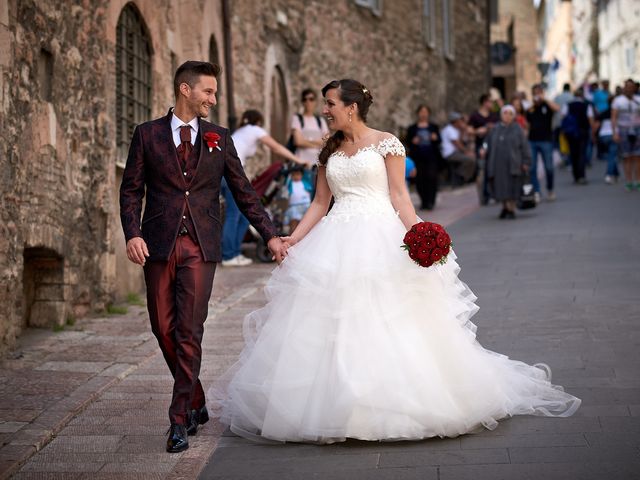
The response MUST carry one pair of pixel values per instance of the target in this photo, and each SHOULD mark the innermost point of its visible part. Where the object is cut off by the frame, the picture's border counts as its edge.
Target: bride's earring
(350, 113)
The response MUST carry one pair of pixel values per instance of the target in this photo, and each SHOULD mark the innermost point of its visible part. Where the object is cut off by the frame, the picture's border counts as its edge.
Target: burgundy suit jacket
(153, 166)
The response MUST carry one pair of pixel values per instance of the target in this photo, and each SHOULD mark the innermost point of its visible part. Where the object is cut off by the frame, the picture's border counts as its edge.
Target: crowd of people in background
(574, 127)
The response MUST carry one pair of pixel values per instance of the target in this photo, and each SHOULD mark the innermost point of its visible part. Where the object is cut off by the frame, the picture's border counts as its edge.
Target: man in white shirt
(625, 122)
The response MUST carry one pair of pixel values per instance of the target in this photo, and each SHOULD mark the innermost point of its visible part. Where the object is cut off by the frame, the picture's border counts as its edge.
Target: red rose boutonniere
(212, 140)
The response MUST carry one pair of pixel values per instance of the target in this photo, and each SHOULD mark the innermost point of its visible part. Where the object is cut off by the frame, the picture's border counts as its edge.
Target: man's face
(629, 88)
(538, 94)
(202, 96)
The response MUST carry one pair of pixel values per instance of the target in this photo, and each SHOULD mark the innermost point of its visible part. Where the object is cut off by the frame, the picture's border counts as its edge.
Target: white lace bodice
(359, 182)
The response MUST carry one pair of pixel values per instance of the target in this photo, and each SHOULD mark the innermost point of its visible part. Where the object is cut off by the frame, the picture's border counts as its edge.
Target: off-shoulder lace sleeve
(391, 146)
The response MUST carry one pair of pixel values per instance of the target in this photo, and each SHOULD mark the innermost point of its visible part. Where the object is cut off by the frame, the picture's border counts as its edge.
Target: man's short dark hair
(566, 87)
(483, 98)
(189, 72)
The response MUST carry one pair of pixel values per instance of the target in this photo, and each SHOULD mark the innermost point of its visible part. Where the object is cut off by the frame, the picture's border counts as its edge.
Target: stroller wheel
(262, 251)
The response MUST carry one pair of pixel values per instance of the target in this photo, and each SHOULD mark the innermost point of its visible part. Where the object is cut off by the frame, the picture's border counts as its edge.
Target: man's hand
(616, 137)
(278, 248)
(137, 250)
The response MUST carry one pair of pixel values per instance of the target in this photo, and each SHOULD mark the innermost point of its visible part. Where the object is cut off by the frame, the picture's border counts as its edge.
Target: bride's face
(335, 111)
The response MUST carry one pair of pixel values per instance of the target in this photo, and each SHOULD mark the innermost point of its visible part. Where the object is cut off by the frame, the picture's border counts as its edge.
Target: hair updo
(350, 92)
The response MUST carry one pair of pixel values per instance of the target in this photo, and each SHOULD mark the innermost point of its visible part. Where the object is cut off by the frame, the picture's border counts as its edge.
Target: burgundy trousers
(178, 292)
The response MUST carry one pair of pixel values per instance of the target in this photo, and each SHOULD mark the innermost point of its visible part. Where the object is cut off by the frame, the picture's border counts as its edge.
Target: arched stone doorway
(45, 292)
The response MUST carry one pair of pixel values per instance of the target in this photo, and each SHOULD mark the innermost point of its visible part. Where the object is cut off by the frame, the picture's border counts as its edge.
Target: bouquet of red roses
(427, 243)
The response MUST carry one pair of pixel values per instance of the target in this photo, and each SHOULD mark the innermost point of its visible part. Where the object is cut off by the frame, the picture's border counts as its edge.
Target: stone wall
(61, 246)
(55, 150)
(314, 42)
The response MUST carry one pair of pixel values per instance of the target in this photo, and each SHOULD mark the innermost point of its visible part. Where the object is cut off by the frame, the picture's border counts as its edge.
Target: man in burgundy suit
(179, 161)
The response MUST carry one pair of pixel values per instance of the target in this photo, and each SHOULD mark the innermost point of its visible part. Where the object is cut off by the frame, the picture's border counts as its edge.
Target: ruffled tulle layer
(357, 341)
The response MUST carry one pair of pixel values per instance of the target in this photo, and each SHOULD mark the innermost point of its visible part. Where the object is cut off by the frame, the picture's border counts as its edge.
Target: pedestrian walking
(480, 122)
(177, 162)
(540, 119)
(560, 140)
(608, 148)
(625, 120)
(423, 139)
(576, 126)
(247, 138)
(508, 158)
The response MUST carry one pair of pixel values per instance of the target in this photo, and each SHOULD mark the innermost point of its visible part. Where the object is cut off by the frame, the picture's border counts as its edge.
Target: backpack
(291, 144)
(569, 126)
(575, 124)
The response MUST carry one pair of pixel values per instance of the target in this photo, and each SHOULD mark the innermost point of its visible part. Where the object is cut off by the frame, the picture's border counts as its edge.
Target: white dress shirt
(176, 123)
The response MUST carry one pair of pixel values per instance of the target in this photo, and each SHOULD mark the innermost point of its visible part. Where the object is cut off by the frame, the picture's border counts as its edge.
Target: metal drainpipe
(226, 27)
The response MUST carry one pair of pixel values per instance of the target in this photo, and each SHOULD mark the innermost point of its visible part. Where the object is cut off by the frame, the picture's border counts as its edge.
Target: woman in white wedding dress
(356, 340)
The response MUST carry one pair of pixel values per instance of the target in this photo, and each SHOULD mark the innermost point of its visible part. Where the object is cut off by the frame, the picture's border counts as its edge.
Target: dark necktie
(184, 150)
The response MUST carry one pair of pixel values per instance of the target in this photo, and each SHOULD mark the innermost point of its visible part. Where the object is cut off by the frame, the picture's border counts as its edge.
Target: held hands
(278, 248)
(137, 250)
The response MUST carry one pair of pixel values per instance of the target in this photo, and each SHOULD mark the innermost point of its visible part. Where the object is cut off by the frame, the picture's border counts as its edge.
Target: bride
(356, 340)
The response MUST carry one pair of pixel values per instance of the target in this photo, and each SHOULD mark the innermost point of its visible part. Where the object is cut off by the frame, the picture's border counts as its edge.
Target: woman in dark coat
(423, 139)
(508, 159)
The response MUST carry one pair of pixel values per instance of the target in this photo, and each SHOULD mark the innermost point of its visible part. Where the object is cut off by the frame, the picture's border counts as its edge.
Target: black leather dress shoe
(178, 439)
(197, 417)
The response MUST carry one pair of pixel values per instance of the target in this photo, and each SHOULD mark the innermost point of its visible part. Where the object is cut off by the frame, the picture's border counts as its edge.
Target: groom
(178, 162)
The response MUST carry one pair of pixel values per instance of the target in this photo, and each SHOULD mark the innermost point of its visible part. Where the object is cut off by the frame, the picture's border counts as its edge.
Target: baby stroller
(269, 186)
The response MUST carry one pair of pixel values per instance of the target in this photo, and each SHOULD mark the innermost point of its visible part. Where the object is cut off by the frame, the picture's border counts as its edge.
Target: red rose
(436, 255)
(211, 138)
(421, 227)
(423, 257)
(443, 240)
(410, 238)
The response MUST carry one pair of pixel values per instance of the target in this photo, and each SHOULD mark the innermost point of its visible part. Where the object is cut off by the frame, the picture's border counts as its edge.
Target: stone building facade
(555, 43)
(514, 47)
(75, 77)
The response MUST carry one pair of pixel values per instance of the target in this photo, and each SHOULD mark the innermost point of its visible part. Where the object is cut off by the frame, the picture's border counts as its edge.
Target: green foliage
(134, 299)
(116, 309)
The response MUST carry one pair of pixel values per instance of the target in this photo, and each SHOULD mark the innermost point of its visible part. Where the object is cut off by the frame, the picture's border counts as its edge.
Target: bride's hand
(289, 240)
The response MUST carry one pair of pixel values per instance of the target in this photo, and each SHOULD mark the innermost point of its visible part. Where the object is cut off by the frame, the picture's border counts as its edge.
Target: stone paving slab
(561, 285)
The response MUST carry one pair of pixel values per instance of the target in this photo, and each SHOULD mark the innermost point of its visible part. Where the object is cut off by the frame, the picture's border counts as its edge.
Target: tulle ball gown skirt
(357, 341)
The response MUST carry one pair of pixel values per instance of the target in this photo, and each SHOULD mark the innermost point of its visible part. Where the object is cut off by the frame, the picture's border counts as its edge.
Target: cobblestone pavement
(560, 284)
(90, 401)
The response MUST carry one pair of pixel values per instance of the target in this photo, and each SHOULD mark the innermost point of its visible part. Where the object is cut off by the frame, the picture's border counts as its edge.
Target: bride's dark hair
(350, 92)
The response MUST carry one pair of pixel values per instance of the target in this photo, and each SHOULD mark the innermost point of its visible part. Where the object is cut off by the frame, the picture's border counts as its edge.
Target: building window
(45, 74)
(493, 11)
(374, 5)
(214, 113)
(447, 28)
(429, 22)
(133, 76)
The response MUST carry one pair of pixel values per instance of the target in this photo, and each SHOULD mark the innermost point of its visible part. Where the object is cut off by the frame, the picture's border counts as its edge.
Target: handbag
(527, 198)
